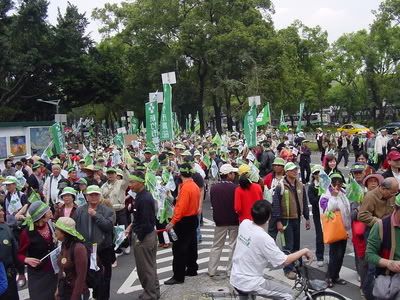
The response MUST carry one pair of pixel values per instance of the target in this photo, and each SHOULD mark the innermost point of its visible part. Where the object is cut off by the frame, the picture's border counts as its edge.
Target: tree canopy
(222, 52)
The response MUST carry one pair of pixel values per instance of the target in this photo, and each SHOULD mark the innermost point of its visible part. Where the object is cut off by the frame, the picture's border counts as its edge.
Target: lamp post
(55, 102)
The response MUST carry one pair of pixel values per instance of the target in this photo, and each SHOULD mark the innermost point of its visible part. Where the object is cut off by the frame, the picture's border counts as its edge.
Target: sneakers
(115, 264)
(127, 250)
(320, 263)
(291, 275)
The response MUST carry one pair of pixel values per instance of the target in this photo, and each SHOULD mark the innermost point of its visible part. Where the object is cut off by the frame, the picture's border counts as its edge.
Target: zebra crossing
(164, 261)
(125, 282)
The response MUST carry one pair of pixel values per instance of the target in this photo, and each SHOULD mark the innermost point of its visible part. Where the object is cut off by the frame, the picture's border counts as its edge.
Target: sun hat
(35, 212)
(180, 146)
(197, 153)
(67, 225)
(227, 168)
(68, 191)
(278, 161)
(93, 189)
(186, 153)
(10, 180)
(244, 169)
(89, 168)
(290, 166)
(82, 181)
(56, 161)
(377, 176)
(394, 155)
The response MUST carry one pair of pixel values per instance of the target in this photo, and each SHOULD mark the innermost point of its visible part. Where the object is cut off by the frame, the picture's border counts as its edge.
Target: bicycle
(313, 289)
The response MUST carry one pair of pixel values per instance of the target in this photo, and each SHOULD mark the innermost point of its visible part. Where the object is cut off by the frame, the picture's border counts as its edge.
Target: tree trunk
(217, 112)
(228, 111)
(202, 73)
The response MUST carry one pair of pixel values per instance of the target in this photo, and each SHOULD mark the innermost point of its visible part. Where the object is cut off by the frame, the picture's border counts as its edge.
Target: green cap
(136, 178)
(93, 189)
(67, 225)
(290, 166)
(37, 165)
(82, 181)
(316, 168)
(357, 167)
(71, 169)
(111, 170)
(10, 180)
(336, 175)
(68, 191)
(279, 162)
(397, 200)
(147, 150)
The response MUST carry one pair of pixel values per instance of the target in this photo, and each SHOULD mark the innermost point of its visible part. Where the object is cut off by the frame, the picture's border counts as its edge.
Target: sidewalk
(199, 287)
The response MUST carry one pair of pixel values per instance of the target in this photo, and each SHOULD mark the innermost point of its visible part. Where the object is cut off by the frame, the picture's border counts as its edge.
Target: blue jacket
(3, 279)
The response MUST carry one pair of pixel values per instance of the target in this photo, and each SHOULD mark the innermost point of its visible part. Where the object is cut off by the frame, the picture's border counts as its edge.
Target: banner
(299, 123)
(250, 127)
(152, 139)
(197, 124)
(166, 127)
(282, 125)
(134, 125)
(119, 140)
(264, 117)
(58, 138)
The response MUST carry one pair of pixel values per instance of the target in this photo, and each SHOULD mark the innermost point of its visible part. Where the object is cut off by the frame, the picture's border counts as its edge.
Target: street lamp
(55, 102)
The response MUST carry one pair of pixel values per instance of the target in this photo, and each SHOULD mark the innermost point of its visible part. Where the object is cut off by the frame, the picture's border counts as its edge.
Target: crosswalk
(130, 286)
(164, 261)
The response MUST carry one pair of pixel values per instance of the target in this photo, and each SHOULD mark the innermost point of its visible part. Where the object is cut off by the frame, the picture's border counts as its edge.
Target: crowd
(61, 217)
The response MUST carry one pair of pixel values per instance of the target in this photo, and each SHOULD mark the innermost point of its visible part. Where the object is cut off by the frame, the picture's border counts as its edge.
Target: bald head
(389, 187)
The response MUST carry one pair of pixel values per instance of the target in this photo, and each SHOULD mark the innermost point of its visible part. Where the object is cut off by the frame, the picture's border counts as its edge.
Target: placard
(168, 78)
(121, 130)
(254, 100)
(40, 139)
(157, 96)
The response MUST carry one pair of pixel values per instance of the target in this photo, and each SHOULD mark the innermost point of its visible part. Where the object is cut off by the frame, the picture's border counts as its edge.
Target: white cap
(227, 168)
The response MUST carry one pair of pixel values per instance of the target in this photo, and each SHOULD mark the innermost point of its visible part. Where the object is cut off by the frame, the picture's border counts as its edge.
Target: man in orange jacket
(185, 222)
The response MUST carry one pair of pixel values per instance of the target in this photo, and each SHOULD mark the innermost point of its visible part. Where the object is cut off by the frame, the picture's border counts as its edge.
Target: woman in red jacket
(246, 194)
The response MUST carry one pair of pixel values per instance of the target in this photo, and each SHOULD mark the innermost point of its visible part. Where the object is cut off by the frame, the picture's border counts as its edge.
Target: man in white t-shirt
(255, 248)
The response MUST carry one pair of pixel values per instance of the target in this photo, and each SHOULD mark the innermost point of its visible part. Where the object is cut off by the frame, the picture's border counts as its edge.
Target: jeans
(367, 284)
(292, 239)
(336, 255)
(319, 238)
(343, 153)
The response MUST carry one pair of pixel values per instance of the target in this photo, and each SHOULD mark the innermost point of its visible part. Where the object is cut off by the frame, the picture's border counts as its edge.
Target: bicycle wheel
(327, 295)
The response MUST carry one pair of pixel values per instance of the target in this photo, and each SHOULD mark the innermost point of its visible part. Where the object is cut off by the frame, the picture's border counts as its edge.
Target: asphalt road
(125, 284)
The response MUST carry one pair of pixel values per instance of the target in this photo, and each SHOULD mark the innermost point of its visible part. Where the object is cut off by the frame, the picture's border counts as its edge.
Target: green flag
(217, 140)
(134, 125)
(197, 124)
(177, 128)
(152, 139)
(34, 196)
(88, 160)
(207, 161)
(48, 152)
(282, 125)
(354, 191)
(166, 125)
(119, 140)
(299, 123)
(250, 127)
(264, 117)
(153, 165)
(57, 137)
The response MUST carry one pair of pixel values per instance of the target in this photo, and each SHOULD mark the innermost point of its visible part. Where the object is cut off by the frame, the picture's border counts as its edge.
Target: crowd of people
(59, 216)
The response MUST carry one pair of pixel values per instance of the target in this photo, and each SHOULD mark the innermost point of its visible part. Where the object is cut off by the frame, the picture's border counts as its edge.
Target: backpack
(93, 278)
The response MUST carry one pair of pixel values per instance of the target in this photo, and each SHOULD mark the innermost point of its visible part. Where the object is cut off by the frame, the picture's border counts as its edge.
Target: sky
(334, 16)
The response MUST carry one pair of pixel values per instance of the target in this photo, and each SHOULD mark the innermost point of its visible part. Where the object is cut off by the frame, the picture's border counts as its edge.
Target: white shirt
(51, 192)
(254, 249)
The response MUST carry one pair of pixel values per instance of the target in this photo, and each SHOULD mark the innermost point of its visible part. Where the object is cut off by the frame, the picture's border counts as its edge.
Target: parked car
(353, 128)
(391, 127)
